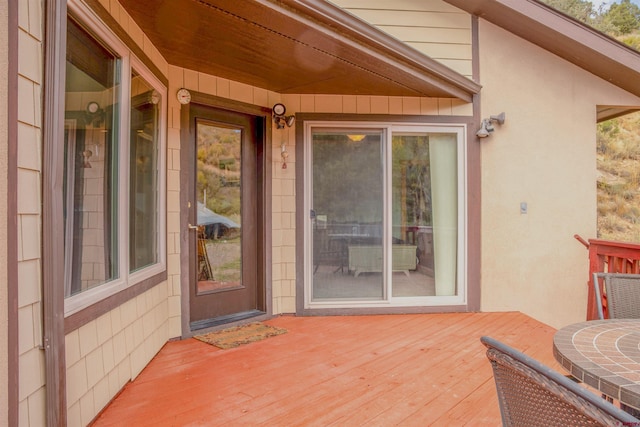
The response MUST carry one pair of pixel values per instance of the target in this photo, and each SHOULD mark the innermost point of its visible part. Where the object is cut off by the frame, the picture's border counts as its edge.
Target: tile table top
(604, 354)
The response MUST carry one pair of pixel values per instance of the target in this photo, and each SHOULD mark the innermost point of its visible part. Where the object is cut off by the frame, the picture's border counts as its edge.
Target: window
(90, 156)
(387, 205)
(143, 175)
(113, 165)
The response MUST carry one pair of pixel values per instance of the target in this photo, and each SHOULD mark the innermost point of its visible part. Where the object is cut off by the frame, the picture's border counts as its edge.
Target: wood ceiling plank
(253, 43)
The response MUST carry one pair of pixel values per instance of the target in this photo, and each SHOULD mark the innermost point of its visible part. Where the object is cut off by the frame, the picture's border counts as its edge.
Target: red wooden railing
(608, 257)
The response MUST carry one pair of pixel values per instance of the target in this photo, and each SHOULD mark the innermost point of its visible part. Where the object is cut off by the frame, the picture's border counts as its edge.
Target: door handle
(192, 227)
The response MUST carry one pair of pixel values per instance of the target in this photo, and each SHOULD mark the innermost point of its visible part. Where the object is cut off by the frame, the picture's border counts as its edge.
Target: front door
(225, 211)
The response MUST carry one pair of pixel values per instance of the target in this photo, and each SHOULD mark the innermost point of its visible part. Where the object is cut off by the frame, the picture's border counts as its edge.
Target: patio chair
(622, 293)
(532, 394)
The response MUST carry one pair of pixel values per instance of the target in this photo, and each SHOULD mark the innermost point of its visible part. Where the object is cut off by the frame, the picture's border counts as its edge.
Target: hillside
(618, 163)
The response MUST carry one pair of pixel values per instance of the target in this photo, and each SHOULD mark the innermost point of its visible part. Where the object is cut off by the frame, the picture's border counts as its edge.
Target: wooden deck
(406, 370)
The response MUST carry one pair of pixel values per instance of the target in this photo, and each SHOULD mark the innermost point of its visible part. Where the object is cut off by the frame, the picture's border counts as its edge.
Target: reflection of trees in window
(219, 169)
(412, 179)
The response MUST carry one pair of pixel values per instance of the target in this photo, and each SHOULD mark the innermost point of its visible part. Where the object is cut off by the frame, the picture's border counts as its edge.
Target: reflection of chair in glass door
(204, 266)
(368, 259)
(326, 251)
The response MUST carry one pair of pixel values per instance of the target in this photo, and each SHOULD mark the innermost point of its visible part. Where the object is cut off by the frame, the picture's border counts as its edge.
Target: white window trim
(129, 62)
(388, 128)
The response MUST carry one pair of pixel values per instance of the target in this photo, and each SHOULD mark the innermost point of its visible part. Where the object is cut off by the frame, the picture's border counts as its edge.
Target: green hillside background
(618, 163)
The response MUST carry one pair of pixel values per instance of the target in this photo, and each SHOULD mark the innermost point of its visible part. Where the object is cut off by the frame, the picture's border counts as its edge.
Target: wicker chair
(622, 294)
(532, 394)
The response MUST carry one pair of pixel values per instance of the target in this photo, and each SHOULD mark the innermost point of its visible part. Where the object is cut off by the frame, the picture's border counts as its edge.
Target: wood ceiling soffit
(273, 46)
(368, 35)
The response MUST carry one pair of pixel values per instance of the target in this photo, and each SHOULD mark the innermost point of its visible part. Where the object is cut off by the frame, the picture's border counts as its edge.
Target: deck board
(417, 369)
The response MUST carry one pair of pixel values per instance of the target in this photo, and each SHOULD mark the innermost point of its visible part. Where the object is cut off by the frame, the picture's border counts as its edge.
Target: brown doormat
(239, 335)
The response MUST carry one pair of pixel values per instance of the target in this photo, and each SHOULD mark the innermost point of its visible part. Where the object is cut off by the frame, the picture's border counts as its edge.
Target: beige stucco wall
(544, 155)
(432, 27)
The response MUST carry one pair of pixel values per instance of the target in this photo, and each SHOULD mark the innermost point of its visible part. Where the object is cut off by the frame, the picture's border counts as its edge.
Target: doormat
(239, 335)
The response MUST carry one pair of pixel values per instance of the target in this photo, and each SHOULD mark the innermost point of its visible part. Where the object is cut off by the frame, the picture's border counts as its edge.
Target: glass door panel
(218, 194)
(386, 217)
(425, 214)
(347, 205)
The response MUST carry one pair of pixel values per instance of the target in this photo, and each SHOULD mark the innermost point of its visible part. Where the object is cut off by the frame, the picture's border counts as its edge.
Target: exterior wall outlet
(523, 207)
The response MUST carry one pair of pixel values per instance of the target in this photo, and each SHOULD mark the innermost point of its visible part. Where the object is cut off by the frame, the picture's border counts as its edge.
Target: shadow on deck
(408, 370)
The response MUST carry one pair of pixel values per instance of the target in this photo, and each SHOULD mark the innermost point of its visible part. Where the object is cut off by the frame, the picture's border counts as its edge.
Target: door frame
(264, 162)
(472, 214)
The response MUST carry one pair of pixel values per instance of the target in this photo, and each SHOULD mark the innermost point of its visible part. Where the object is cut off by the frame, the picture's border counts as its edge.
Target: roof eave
(376, 42)
(564, 36)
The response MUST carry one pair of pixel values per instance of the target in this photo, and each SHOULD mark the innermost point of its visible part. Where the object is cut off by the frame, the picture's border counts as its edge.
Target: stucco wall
(545, 156)
(432, 27)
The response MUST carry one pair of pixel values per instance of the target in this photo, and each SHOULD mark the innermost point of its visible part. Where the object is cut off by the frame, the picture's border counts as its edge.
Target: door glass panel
(348, 208)
(218, 194)
(425, 214)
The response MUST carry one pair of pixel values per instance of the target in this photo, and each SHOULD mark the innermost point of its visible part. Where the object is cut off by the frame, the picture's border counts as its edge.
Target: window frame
(388, 128)
(154, 273)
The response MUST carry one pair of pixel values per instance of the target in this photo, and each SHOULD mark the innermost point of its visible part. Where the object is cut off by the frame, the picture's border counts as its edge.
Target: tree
(579, 9)
(621, 19)
(624, 17)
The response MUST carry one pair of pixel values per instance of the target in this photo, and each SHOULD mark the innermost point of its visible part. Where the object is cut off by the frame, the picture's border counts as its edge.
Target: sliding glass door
(348, 205)
(386, 210)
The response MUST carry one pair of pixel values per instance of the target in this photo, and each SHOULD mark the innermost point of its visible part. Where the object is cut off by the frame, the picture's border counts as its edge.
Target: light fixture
(356, 138)
(284, 154)
(94, 114)
(86, 155)
(487, 127)
(279, 117)
(483, 132)
(289, 120)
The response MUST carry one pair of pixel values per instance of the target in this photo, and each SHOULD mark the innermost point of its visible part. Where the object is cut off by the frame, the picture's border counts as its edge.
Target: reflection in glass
(424, 214)
(412, 215)
(90, 162)
(348, 206)
(143, 170)
(219, 216)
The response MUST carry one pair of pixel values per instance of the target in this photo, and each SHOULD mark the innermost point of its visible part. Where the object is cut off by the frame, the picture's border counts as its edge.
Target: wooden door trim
(264, 165)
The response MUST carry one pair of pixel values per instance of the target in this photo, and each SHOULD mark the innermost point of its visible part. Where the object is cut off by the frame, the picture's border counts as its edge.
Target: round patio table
(604, 354)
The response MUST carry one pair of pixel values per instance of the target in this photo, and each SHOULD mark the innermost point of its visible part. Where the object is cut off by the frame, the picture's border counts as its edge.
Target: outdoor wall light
(86, 155)
(279, 117)
(94, 114)
(487, 125)
(284, 154)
